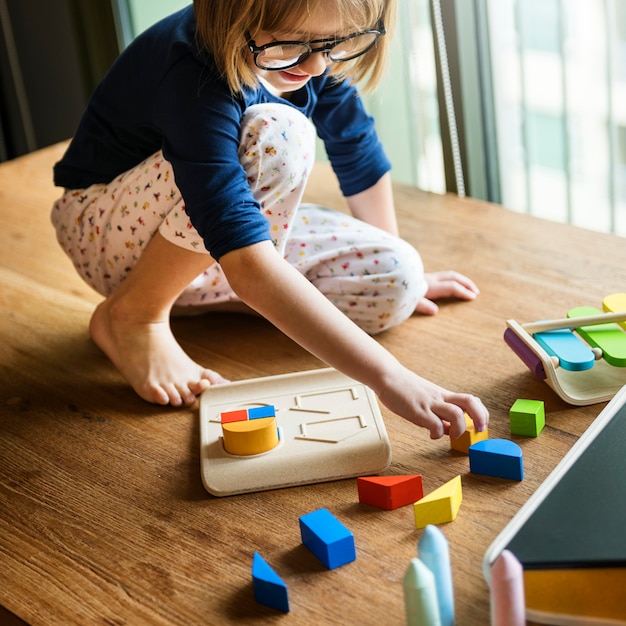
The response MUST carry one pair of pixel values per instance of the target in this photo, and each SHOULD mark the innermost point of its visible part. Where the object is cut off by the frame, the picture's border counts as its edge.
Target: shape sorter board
(330, 428)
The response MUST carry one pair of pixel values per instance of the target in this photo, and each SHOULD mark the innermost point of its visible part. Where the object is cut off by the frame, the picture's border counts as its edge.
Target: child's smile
(293, 78)
(285, 81)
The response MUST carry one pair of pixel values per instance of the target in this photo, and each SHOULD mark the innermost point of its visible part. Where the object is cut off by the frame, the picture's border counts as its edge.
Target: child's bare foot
(149, 357)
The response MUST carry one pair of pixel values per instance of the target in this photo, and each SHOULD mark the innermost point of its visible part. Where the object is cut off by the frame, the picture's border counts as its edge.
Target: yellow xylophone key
(615, 302)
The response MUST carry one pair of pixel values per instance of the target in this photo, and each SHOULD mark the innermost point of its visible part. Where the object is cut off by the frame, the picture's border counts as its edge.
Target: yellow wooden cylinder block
(248, 437)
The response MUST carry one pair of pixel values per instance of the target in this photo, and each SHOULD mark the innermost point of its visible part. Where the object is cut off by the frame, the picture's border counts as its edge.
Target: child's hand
(432, 407)
(448, 284)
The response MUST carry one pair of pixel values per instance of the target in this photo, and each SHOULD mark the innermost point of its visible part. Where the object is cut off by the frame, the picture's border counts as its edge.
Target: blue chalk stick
(434, 553)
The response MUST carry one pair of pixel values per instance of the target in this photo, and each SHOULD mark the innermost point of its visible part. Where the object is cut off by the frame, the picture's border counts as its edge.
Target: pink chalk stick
(507, 591)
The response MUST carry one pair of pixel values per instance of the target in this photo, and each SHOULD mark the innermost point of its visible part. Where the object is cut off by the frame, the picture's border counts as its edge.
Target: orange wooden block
(468, 438)
(390, 492)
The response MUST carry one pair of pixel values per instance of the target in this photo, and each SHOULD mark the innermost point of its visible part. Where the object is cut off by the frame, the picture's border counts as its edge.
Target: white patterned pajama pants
(376, 279)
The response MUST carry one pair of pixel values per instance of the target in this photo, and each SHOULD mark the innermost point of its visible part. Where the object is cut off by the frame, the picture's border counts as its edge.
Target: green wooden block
(527, 417)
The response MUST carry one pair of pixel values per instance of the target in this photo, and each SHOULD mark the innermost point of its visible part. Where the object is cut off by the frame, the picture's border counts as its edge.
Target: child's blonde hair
(222, 24)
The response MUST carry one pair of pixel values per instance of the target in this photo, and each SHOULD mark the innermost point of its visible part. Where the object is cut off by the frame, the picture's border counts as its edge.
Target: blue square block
(258, 412)
(329, 540)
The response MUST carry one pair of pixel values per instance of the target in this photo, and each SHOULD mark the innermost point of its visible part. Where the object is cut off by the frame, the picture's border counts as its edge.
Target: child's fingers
(462, 292)
(452, 415)
(452, 419)
(450, 284)
(455, 277)
(444, 419)
(426, 307)
(432, 407)
(476, 410)
(479, 415)
(466, 282)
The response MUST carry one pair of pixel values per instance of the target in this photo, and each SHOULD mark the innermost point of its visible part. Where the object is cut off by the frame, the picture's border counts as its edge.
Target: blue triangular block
(269, 587)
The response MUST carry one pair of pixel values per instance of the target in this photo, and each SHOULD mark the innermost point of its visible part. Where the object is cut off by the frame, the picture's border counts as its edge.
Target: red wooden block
(240, 415)
(390, 492)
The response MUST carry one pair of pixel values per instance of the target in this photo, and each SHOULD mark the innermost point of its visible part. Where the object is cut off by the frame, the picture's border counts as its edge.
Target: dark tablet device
(570, 536)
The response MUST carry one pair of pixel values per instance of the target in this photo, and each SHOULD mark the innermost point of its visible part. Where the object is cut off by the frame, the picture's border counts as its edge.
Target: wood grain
(103, 517)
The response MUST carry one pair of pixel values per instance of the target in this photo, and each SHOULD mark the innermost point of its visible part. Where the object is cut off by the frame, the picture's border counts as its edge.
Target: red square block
(390, 492)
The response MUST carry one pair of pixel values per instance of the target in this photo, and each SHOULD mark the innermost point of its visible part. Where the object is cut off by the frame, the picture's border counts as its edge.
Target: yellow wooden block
(248, 437)
(468, 438)
(439, 506)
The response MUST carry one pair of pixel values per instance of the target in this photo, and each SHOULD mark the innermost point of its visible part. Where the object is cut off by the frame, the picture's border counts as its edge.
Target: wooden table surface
(103, 516)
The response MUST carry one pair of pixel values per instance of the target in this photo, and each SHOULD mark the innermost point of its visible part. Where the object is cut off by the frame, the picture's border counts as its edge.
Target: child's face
(294, 78)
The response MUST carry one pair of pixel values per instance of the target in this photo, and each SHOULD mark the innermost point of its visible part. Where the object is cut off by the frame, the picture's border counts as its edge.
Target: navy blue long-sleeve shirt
(163, 92)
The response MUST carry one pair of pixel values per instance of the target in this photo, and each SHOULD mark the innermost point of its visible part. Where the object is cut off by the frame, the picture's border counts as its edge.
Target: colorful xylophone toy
(582, 357)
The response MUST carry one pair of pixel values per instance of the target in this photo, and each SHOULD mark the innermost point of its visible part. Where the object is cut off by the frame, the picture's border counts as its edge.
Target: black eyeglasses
(281, 55)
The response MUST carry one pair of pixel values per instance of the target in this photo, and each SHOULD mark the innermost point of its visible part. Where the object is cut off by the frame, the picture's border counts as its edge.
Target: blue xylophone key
(573, 354)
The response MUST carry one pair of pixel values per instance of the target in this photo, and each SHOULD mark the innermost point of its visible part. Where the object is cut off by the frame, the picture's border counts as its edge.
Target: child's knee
(277, 146)
(384, 295)
(410, 270)
(264, 121)
(402, 287)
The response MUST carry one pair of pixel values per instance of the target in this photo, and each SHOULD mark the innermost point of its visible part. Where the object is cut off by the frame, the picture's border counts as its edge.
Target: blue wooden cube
(329, 540)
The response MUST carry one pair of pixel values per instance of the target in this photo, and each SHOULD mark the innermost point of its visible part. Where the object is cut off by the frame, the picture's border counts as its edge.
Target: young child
(182, 192)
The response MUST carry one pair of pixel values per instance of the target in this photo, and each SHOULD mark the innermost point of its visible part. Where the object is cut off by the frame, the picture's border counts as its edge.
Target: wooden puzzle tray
(330, 428)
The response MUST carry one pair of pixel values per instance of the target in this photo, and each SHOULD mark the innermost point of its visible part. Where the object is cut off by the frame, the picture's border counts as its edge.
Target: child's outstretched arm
(276, 290)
